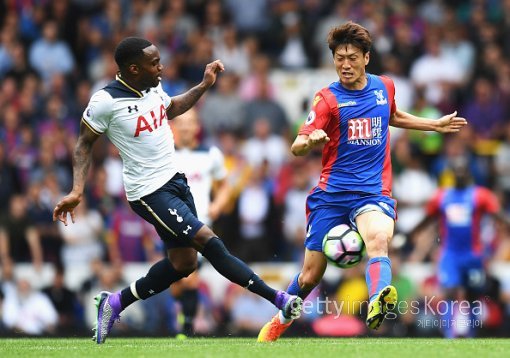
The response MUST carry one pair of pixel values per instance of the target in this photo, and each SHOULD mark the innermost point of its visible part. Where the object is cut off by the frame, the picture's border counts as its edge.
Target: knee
(202, 238)
(185, 268)
(309, 280)
(377, 245)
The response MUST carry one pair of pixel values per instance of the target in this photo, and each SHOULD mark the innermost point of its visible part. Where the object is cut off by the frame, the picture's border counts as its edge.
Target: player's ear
(133, 69)
(367, 58)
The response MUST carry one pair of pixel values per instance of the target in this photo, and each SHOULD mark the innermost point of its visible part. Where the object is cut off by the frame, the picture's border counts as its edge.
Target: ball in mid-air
(343, 246)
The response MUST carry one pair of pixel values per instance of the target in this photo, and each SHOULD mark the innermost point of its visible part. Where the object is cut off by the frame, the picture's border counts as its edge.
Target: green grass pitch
(248, 347)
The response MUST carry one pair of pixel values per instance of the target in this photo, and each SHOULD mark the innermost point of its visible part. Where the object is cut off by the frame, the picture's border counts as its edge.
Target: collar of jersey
(140, 94)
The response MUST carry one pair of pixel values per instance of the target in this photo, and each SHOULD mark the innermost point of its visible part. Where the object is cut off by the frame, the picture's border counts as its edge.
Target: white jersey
(201, 166)
(136, 123)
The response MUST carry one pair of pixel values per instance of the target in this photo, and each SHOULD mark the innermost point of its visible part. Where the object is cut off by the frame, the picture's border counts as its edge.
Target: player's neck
(130, 82)
(357, 85)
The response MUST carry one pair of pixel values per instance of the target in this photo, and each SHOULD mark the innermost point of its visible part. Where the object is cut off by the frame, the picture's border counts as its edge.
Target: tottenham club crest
(379, 97)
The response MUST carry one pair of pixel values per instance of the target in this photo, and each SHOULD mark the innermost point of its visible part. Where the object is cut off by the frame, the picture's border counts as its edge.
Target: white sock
(283, 319)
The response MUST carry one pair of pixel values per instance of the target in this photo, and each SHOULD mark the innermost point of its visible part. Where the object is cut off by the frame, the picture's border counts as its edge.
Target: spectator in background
(24, 156)
(436, 73)
(429, 143)
(19, 239)
(455, 45)
(10, 128)
(39, 211)
(405, 46)
(265, 147)
(232, 53)
(83, 240)
(65, 302)
(502, 166)
(485, 110)
(292, 54)
(129, 237)
(412, 187)
(257, 240)
(260, 68)
(262, 105)
(294, 217)
(171, 81)
(97, 196)
(223, 109)
(28, 311)
(250, 16)
(7, 49)
(8, 180)
(404, 89)
(50, 55)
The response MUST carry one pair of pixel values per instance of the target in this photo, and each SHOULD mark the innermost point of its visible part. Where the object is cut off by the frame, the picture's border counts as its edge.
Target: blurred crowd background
(443, 56)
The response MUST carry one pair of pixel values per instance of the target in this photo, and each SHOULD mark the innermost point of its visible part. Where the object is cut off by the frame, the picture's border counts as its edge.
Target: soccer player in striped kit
(133, 111)
(351, 119)
(460, 211)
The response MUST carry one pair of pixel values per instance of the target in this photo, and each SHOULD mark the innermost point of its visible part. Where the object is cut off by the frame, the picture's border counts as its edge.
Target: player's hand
(450, 123)
(211, 71)
(318, 136)
(65, 206)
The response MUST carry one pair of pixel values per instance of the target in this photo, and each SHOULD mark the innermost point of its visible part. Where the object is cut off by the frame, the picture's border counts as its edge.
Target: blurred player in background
(133, 111)
(351, 118)
(461, 266)
(205, 170)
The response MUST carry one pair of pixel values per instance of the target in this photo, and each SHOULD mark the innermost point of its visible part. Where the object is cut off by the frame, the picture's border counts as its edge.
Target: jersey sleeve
(97, 115)
(434, 204)
(390, 88)
(219, 171)
(487, 200)
(319, 116)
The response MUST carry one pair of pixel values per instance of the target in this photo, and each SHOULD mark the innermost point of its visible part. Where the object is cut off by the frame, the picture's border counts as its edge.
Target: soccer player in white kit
(204, 167)
(133, 111)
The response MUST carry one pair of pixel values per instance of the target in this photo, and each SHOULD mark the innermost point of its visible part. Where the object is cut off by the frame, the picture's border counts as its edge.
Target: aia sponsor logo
(155, 121)
(359, 128)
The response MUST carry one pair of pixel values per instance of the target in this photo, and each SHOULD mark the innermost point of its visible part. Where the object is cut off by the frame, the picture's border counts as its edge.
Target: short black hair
(130, 50)
(350, 33)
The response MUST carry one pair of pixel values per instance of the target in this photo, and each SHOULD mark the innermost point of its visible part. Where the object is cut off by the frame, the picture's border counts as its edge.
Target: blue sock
(294, 288)
(377, 275)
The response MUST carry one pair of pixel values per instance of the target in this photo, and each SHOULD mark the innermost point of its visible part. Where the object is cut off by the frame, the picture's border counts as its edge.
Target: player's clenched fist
(318, 136)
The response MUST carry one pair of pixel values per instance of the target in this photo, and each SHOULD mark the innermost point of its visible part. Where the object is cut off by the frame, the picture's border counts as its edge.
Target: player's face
(350, 65)
(149, 68)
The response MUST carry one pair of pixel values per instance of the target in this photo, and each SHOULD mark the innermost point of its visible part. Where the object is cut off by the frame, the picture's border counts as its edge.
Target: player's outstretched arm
(81, 163)
(185, 101)
(449, 123)
(304, 143)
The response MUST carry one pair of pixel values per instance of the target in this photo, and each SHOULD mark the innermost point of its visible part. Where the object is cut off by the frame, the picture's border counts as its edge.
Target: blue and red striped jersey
(460, 213)
(357, 158)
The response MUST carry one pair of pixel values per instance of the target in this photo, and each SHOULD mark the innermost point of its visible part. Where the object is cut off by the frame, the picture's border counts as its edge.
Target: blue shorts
(172, 211)
(461, 269)
(326, 210)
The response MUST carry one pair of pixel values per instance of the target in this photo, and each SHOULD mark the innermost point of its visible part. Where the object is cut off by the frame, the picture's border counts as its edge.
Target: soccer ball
(343, 246)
